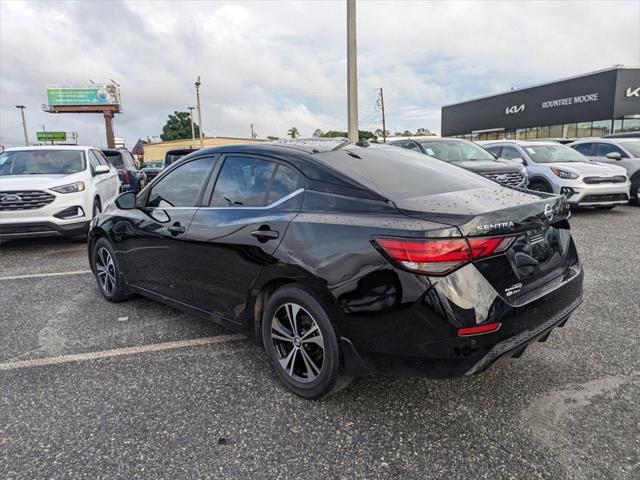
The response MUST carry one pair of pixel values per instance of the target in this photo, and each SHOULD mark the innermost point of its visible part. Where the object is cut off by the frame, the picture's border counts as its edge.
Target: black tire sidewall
(97, 208)
(542, 187)
(330, 373)
(119, 292)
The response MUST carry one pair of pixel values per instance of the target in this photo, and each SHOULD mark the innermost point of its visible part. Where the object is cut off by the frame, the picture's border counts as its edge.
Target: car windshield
(553, 153)
(41, 162)
(633, 146)
(455, 151)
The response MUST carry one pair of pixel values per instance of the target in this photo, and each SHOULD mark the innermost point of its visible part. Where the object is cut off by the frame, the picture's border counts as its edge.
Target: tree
(178, 127)
(407, 133)
(424, 132)
(317, 133)
(272, 138)
(293, 132)
(378, 132)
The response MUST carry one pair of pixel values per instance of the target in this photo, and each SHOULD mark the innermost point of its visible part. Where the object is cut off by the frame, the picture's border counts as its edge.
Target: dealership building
(590, 105)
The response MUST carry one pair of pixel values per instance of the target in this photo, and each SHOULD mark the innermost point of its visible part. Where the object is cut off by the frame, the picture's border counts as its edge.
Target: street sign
(79, 95)
(51, 136)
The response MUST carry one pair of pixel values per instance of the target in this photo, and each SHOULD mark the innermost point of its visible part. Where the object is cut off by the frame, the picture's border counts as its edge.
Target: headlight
(564, 174)
(71, 188)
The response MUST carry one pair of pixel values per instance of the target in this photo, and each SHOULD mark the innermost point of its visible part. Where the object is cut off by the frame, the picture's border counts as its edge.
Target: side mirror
(614, 155)
(519, 160)
(126, 201)
(101, 170)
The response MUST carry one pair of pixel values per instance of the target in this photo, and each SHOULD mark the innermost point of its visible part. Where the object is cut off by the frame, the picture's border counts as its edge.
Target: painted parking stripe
(39, 275)
(117, 352)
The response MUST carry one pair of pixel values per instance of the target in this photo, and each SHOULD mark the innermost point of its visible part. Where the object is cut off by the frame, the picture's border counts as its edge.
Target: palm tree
(293, 132)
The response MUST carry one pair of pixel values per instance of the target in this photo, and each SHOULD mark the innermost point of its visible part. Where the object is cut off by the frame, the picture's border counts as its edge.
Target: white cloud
(279, 64)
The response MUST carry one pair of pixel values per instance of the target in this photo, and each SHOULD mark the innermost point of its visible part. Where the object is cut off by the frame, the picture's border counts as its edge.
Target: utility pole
(199, 111)
(384, 126)
(24, 124)
(193, 130)
(108, 123)
(253, 133)
(352, 71)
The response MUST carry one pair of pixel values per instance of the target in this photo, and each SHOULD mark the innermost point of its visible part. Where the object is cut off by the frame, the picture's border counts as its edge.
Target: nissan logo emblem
(548, 212)
(11, 198)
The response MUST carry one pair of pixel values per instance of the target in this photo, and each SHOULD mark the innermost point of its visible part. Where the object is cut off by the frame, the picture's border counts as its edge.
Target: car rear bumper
(431, 349)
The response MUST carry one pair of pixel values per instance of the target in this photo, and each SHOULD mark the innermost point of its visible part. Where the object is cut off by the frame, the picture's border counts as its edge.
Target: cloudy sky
(282, 64)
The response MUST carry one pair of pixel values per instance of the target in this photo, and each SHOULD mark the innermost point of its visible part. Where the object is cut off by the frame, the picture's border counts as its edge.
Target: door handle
(265, 235)
(176, 228)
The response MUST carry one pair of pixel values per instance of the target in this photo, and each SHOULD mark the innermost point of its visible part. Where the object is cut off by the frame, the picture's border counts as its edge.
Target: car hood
(489, 166)
(13, 183)
(589, 168)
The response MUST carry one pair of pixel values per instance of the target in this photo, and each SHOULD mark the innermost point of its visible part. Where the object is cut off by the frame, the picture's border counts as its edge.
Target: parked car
(346, 262)
(470, 156)
(634, 134)
(176, 154)
(132, 177)
(623, 152)
(555, 168)
(53, 190)
(152, 169)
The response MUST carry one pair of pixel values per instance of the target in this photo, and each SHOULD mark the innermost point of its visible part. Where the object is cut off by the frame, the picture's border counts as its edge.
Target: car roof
(48, 147)
(522, 143)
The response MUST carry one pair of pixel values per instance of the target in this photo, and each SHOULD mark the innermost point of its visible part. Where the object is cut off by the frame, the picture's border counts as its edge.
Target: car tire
(105, 268)
(306, 361)
(97, 207)
(539, 186)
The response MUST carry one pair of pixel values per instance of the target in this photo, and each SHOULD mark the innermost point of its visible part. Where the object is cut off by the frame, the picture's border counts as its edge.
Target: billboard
(83, 95)
(51, 136)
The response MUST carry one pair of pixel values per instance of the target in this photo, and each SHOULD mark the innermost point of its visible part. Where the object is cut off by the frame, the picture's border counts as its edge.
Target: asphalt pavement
(89, 389)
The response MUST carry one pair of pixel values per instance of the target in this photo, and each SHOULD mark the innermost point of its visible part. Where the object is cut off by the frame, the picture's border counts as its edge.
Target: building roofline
(540, 85)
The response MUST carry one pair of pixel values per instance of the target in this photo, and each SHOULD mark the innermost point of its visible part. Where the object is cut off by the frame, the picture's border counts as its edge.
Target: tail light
(125, 176)
(438, 257)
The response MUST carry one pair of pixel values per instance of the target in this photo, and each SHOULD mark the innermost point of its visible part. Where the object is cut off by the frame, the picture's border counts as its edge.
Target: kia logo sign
(514, 109)
(632, 93)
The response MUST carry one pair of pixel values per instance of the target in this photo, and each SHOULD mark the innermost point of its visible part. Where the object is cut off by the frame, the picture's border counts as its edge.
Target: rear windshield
(115, 158)
(400, 174)
(456, 151)
(553, 153)
(632, 145)
(41, 162)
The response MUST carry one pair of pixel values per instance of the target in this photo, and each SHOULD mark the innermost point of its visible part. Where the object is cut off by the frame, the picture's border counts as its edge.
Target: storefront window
(583, 129)
(570, 130)
(617, 126)
(555, 131)
(543, 132)
(521, 134)
(631, 124)
(600, 128)
(532, 132)
(492, 135)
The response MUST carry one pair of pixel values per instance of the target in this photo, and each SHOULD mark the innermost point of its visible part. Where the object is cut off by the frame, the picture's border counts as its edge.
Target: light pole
(199, 111)
(193, 130)
(352, 71)
(24, 124)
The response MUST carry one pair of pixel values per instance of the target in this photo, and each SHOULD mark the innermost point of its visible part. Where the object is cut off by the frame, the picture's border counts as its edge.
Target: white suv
(52, 191)
(555, 168)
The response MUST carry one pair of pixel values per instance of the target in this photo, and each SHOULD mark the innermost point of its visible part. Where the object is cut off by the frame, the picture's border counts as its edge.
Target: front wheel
(301, 343)
(105, 268)
(540, 187)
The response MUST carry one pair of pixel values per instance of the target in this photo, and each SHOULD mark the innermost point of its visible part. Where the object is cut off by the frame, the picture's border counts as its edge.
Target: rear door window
(285, 182)
(243, 182)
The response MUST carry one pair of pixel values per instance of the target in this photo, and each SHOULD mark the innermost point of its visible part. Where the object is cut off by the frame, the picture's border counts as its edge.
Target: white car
(555, 168)
(53, 190)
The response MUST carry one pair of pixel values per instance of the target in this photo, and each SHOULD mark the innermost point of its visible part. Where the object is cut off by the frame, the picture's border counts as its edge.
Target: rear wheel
(110, 281)
(301, 343)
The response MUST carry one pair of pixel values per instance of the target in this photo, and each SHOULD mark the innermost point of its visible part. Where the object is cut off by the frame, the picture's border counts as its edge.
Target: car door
(151, 238)
(112, 183)
(230, 241)
(601, 151)
(100, 182)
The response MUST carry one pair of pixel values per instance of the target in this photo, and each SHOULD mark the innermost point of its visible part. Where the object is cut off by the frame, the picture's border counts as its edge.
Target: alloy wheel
(106, 270)
(298, 342)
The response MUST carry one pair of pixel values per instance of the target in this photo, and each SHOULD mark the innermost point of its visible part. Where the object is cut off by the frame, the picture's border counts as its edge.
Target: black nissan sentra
(362, 259)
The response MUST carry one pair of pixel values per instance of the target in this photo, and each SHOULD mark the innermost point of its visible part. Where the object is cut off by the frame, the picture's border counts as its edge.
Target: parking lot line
(116, 352)
(54, 274)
